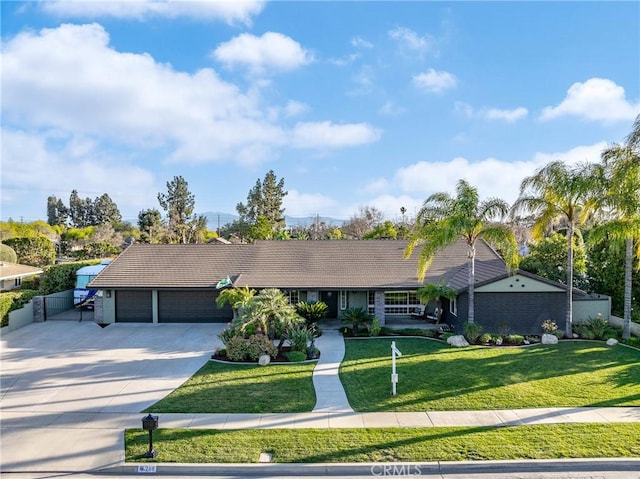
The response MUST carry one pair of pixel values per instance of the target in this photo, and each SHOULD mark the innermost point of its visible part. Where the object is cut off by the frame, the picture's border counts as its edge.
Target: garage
(133, 306)
(191, 307)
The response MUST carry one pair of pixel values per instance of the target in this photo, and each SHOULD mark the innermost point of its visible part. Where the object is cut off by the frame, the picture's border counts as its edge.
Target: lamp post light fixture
(150, 423)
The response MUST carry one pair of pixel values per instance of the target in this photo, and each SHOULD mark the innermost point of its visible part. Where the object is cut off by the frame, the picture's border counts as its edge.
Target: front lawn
(241, 388)
(436, 377)
(395, 444)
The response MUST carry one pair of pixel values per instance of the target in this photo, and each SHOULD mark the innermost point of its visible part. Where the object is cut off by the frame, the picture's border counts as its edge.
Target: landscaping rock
(549, 339)
(612, 342)
(458, 341)
(264, 360)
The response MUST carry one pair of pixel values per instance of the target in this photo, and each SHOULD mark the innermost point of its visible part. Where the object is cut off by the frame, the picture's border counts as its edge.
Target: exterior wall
(590, 307)
(619, 323)
(517, 313)
(19, 318)
(518, 283)
(108, 307)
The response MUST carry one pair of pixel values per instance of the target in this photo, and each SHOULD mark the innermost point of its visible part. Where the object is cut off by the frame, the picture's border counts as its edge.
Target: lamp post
(150, 423)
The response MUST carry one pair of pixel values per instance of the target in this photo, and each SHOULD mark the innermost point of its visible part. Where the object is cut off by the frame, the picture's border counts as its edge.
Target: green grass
(435, 377)
(396, 444)
(241, 388)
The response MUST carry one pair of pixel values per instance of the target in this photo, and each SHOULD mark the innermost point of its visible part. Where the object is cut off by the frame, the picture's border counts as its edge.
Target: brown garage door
(191, 307)
(133, 307)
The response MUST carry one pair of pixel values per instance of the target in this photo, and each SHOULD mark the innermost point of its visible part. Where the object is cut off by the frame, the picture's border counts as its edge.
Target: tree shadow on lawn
(228, 388)
(433, 376)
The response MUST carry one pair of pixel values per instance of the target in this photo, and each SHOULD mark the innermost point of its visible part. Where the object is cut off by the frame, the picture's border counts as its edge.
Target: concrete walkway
(330, 395)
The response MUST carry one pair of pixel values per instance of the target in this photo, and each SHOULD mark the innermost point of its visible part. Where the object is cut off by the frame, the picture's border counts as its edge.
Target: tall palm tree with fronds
(558, 194)
(442, 220)
(621, 204)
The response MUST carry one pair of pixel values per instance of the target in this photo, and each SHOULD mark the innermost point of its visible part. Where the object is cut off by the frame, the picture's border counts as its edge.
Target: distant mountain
(215, 218)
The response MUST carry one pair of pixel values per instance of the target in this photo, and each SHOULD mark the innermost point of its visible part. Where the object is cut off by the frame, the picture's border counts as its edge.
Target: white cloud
(33, 167)
(435, 81)
(308, 204)
(271, 51)
(410, 40)
(295, 108)
(510, 116)
(326, 135)
(579, 154)
(360, 42)
(492, 177)
(85, 88)
(229, 11)
(376, 186)
(391, 109)
(597, 99)
(463, 108)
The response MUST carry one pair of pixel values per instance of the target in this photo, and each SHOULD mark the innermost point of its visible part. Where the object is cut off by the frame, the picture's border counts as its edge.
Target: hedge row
(61, 277)
(12, 300)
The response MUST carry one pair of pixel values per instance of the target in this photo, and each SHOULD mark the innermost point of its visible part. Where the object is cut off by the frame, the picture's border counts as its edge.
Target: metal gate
(54, 305)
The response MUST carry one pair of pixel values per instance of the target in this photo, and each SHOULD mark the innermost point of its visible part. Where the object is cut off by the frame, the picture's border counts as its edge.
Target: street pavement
(69, 389)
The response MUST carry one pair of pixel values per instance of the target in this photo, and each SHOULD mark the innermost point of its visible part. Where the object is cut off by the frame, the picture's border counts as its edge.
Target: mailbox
(150, 423)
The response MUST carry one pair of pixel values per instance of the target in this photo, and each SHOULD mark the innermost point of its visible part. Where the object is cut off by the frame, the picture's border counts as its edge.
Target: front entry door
(330, 298)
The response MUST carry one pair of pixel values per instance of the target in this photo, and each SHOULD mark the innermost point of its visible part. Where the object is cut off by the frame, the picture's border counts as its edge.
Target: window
(293, 296)
(344, 303)
(400, 302)
(17, 282)
(453, 307)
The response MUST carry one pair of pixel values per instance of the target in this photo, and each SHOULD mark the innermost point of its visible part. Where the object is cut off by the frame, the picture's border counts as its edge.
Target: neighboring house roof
(14, 270)
(330, 264)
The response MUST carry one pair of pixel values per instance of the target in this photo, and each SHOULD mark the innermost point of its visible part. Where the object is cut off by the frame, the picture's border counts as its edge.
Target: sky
(352, 103)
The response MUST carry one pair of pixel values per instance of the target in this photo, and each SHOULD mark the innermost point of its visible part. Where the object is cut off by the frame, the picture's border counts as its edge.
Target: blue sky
(352, 103)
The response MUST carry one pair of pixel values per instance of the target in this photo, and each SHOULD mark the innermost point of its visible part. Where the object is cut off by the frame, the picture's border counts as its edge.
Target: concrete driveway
(68, 389)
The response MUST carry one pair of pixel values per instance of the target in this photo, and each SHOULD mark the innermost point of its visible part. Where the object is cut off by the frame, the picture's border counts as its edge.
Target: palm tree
(621, 202)
(560, 194)
(443, 220)
(435, 292)
(270, 312)
(238, 298)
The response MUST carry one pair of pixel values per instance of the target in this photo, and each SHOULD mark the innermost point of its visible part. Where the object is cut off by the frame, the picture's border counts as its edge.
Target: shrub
(12, 300)
(298, 337)
(446, 336)
(472, 332)
(514, 339)
(633, 341)
(312, 312)
(485, 338)
(597, 328)
(259, 344)
(296, 356)
(356, 317)
(228, 334)
(374, 329)
(549, 326)
(237, 349)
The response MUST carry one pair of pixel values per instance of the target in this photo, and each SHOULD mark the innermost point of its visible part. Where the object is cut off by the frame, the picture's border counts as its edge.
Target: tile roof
(14, 270)
(352, 264)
